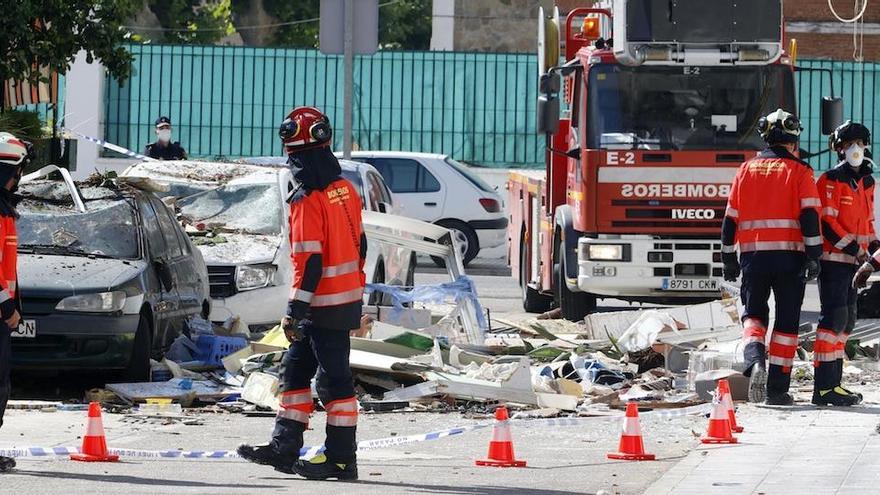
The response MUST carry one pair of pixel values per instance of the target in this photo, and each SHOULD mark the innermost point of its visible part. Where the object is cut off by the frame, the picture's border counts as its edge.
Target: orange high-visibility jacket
(847, 214)
(773, 206)
(8, 266)
(328, 249)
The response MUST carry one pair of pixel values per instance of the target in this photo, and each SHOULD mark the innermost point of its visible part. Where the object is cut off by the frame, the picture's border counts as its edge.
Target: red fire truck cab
(647, 120)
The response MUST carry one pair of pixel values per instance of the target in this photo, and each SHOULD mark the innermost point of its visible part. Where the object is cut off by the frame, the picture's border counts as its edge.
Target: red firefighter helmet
(304, 128)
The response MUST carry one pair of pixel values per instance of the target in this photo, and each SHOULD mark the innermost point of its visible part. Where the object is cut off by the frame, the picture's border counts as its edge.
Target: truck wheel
(533, 301)
(467, 241)
(138, 369)
(575, 305)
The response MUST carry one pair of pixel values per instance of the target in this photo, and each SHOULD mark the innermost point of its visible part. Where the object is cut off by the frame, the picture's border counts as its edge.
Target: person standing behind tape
(164, 148)
(328, 249)
(773, 214)
(14, 155)
(847, 193)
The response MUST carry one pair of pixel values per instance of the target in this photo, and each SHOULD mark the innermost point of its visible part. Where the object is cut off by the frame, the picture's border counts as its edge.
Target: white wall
(443, 25)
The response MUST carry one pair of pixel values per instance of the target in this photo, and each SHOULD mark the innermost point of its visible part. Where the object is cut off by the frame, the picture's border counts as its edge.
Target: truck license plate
(695, 284)
(26, 329)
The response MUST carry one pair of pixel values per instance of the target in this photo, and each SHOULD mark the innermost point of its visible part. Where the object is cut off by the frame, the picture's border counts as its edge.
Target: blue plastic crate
(213, 348)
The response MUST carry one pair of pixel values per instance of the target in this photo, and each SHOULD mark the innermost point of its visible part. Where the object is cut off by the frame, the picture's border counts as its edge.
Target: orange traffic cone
(94, 446)
(719, 424)
(501, 446)
(631, 446)
(727, 400)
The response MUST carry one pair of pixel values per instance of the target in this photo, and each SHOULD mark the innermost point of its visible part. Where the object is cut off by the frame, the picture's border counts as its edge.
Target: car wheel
(533, 301)
(468, 243)
(138, 369)
(379, 298)
(575, 305)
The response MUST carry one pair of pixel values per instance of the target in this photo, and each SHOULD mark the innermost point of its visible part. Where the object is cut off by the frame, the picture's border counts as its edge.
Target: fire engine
(647, 120)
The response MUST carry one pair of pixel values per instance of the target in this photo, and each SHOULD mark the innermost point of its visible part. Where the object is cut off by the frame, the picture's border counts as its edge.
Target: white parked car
(248, 252)
(441, 190)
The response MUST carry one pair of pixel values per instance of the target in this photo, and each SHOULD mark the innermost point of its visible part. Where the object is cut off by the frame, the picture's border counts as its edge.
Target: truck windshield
(683, 108)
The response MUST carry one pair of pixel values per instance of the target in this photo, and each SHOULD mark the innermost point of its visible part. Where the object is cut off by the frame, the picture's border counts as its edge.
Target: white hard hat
(12, 150)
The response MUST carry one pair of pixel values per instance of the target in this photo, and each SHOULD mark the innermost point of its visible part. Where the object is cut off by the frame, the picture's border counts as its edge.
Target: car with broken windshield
(237, 215)
(107, 279)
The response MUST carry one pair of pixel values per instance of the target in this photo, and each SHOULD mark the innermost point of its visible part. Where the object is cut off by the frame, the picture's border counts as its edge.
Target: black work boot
(783, 399)
(757, 383)
(6, 464)
(839, 365)
(320, 468)
(836, 396)
(267, 456)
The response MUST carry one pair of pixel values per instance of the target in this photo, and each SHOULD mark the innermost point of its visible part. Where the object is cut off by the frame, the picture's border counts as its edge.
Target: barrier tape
(379, 443)
(111, 146)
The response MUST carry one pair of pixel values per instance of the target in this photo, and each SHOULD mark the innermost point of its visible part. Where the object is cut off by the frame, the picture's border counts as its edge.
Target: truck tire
(533, 301)
(575, 306)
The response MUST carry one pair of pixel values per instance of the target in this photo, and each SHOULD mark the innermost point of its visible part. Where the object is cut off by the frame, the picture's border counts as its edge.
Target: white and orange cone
(719, 424)
(501, 446)
(94, 446)
(727, 400)
(631, 448)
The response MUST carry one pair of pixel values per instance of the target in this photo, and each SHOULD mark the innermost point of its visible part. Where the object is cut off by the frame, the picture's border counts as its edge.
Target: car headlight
(249, 277)
(606, 252)
(102, 302)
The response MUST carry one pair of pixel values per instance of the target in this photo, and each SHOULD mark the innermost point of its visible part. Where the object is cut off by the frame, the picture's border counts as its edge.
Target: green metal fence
(228, 101)
(477, 107)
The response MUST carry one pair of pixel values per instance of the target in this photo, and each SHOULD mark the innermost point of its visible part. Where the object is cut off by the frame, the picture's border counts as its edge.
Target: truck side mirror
(548, 114)
(832, 113)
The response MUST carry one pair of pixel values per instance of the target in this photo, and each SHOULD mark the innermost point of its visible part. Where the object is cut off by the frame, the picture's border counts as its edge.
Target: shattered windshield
(246, 208)
(683, 108)
(107, 229)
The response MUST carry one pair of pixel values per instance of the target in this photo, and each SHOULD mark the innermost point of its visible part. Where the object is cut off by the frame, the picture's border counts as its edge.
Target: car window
(169, 229)
(378, 194)
(354, 177)
(155, 242)
(404, 175)
(468, 174)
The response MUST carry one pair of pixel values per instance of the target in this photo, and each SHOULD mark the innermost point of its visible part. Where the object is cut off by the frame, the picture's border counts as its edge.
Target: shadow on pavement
(134, 480)
(454, 490)
(873, 409)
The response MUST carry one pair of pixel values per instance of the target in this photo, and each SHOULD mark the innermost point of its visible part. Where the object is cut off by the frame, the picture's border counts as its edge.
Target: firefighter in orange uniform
(328, 249)
(14, 155)
(773, 214)
(847, 193)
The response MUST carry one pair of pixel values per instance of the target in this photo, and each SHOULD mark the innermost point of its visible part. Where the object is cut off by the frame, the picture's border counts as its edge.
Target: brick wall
(834, 46)
(817, 10)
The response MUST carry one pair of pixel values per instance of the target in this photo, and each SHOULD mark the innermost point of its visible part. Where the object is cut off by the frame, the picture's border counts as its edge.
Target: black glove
(811, 270)
(292, 329)
(731, 270)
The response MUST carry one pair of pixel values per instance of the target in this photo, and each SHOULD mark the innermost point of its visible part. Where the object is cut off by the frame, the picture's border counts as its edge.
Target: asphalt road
(560, 459)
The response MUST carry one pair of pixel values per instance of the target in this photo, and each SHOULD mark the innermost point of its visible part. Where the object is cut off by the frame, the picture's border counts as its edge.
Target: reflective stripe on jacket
(773, 206)
(327, 249)
(8, 267)
(847, 213)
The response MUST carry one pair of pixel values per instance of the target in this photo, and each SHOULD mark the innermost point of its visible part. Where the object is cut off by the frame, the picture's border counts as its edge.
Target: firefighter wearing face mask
(847, 193)
(164, 148)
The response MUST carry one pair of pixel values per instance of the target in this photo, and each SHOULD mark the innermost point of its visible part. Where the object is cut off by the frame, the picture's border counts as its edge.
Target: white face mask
(854, 155)
(164, 135)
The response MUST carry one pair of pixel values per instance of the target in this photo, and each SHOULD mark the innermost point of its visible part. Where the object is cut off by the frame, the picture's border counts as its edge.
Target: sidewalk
(794, 450)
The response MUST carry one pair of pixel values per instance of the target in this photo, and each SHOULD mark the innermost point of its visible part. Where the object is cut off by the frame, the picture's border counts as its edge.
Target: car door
(189, 281)
(174, 257)
(420, 193)
(162, 300)
(396, 258)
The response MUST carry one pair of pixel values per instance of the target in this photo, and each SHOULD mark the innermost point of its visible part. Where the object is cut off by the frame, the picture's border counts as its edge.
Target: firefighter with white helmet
(14, 155)
(773, 216)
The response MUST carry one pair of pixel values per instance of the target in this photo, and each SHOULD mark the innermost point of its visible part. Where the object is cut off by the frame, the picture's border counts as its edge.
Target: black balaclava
(8, 199)
(314, 168)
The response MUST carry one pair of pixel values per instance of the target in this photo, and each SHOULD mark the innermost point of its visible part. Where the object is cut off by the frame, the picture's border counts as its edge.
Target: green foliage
(194, 21)
(22, 124)
(404, 24)
(49, 33)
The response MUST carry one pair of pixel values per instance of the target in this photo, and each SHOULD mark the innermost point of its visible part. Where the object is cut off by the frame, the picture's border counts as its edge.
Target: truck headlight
(248, 277)
(605, 252)
(102, 302)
